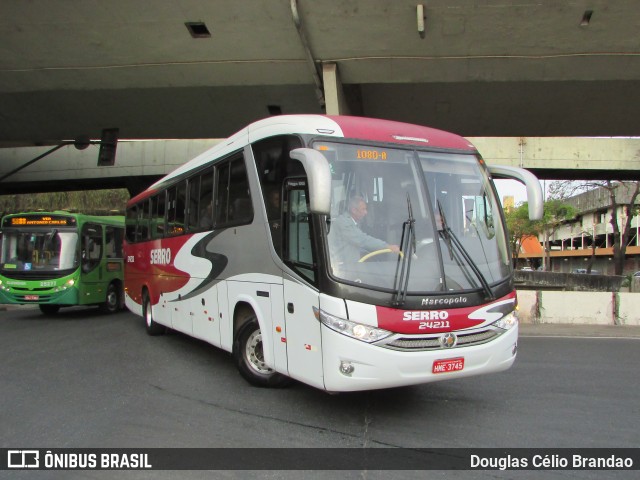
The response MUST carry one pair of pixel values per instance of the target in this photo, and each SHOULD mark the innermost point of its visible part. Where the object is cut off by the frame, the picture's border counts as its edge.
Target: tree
(91, 201)
(556, 212)
(622, 195)
(519, 227)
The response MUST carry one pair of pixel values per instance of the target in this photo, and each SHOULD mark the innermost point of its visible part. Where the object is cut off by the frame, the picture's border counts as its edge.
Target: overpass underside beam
(139, 163)
(565, 158)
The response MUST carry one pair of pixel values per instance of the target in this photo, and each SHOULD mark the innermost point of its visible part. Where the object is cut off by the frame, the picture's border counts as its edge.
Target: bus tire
(49, 309)
(248, 355)
(112, 300)
(152, 327)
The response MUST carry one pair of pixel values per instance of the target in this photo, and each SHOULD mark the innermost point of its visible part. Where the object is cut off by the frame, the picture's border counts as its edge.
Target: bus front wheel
(153, 328)
(249, 357)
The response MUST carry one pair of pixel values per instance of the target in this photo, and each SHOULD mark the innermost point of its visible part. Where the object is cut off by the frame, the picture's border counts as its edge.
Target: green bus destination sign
(39, 220)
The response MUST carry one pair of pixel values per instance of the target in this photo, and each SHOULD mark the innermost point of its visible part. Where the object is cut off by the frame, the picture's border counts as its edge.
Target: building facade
(588, 238)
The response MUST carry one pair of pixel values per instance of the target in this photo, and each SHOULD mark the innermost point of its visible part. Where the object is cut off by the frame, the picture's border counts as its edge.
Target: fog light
(346, 368)
(515, 349)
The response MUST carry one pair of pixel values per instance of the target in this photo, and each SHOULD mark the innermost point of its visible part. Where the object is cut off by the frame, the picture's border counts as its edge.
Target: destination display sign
(39, 221)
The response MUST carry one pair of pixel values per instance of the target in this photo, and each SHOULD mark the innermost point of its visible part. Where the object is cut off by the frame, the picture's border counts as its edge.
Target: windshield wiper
(452, 240)
(403, 267)
(445, 228)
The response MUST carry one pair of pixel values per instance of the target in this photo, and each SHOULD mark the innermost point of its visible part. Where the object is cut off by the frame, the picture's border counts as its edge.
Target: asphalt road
(84, 379)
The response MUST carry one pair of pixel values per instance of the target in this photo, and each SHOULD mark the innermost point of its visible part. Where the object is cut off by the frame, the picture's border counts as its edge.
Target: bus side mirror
(534, 190)
(318, 173)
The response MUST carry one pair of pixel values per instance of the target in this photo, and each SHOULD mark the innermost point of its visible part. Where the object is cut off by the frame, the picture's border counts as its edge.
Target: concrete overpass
(139, 163)
(204, 69)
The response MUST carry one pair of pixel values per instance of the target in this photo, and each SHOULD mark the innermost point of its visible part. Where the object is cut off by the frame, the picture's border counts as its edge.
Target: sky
(513, 188)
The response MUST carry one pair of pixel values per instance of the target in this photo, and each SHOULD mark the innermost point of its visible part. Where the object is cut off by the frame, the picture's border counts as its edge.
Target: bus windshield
(438, 209)
(39, 250)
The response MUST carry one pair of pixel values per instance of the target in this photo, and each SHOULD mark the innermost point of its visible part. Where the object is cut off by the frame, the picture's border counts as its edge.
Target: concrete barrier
(534, 280)
(591, 308)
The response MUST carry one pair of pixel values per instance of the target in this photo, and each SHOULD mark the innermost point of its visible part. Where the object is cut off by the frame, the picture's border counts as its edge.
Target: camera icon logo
(23, 459)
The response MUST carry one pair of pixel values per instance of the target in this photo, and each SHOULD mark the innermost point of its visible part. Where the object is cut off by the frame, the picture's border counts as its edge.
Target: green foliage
(518, 222)
(519, 226)
(555, 213)
(89, 202)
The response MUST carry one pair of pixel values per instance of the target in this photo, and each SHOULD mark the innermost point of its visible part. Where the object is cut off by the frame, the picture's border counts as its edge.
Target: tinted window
(298, 251)
(157, 215)
(274, 165)
(130, 223)
(113, 242)
(201, 201)
(233, 200)
(142, 228)
(194, 200)
(91, 246)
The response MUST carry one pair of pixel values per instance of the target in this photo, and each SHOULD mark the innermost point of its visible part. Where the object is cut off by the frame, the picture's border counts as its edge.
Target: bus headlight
(359, 331)
(507, 322)
(68, 284)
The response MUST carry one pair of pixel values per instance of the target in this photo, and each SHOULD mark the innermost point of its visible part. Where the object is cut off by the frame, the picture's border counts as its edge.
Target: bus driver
(349, 243)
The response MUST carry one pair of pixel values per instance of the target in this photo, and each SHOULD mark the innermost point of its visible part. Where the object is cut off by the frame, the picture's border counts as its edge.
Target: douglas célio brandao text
(550, 462)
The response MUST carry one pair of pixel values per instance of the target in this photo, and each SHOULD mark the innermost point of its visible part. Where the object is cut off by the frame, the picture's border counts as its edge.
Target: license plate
(448, 365)
(31, 297)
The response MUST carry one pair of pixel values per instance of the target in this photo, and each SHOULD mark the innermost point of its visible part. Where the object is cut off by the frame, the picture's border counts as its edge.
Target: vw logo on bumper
(448, 340)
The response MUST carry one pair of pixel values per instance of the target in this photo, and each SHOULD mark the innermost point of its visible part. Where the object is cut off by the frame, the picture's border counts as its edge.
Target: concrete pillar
(333, 93)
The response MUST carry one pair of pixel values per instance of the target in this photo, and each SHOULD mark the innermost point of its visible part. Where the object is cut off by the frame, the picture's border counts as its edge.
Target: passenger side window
(194, 198)
(130, 223)
(201, 201)
(157, 215)
(91, 246)
(181, 208)
(113, 242)
(142, 228)
(298, 250)
(206, 200)
(233, 199)
(274, 164)
(176, 200)
(222, 195)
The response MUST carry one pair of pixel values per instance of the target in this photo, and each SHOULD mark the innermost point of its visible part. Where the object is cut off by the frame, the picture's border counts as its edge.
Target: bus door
(91, 252)
(114, 256)
(303, 338)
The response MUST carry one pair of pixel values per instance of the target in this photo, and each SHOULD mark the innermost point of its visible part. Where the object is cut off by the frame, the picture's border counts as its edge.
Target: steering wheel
(378, 252)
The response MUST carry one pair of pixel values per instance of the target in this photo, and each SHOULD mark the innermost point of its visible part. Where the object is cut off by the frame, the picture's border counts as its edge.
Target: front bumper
(376, 367)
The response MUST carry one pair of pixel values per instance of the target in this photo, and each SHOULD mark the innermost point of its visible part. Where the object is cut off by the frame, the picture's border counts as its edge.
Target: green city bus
(57, 259)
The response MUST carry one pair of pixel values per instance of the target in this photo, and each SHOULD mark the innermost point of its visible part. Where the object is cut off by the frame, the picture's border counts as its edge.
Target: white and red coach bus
(252, 247)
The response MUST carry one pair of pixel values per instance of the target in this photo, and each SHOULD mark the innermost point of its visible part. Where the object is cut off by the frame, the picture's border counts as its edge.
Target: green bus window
(91, 246)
